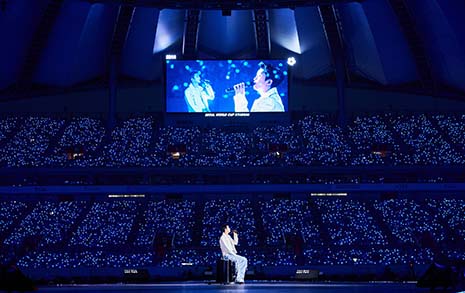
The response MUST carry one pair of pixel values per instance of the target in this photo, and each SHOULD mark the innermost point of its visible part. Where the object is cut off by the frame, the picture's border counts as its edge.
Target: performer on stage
(229, 252)
(198, 93)
(265, 82)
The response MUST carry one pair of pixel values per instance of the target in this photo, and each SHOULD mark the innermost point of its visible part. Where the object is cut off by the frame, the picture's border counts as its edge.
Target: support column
(332, 26)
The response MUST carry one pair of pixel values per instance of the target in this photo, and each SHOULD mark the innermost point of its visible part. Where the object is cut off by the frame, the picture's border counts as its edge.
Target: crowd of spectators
(410, 221)
(452, 127)
(168, 141)
(451, 211)
(10, 212)
(129, 144)
(108, 224)
(238, 214)
(168, 217)
(275, 232)
(224, 148)
(316, 140)
(27, 148)
(324, 143)
(178, 258)
(7, 126)
(208, 257)
(371, 134)
(190, 257)
(279, 134)
(48, 223)
(349, 222)
(81, 138)
(284, 217)
(367, 256)
(173, 136)
(425, 143)
(85, 259)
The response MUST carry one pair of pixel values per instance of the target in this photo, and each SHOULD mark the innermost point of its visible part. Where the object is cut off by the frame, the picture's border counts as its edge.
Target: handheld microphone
(247, 84)
(204, 82)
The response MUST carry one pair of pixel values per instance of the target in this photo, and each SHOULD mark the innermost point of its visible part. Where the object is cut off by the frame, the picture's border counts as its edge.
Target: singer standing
(228, 249)
(198, 94)
(265, 82)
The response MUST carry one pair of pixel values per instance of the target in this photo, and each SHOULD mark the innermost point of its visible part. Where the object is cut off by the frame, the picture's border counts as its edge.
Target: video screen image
(228, 86)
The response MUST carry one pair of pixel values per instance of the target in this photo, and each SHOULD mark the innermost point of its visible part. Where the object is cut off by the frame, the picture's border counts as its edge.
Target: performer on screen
(198, 93)
(265, 82)
(228, 249)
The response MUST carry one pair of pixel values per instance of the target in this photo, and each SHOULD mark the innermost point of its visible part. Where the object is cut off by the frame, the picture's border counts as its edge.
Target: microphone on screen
(247, 84)
(204, 82)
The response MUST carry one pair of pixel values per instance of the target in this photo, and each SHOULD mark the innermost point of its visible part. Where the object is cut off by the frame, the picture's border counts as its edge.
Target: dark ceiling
(385, 43)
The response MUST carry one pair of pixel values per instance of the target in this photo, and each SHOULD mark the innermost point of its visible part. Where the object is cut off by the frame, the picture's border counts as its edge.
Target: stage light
(170, 57)
(291, 61)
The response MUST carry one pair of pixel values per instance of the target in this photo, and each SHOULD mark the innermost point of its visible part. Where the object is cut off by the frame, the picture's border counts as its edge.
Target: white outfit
(197, 97)
(228, 249)
(269, 102)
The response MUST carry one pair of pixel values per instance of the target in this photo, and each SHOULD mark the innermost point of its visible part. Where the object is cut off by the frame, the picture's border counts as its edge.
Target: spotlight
(291, 61)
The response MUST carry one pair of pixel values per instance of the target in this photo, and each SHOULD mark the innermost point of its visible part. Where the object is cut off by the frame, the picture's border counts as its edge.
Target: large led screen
(226, 86)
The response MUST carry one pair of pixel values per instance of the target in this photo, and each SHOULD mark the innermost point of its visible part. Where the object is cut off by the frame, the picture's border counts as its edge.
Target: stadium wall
(307, 98)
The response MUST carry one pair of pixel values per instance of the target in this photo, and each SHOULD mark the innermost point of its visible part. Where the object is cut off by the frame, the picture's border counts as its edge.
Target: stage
(269, 287)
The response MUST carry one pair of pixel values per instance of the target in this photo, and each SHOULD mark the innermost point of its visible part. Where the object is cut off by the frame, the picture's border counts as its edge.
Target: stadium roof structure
(224, 4)
(406, 45)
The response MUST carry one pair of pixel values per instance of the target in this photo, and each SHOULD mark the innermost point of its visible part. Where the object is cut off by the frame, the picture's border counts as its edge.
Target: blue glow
(168, 30)
(285, 31)
(222, 75)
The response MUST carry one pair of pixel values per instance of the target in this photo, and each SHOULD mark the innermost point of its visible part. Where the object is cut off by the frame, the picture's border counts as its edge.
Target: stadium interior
(108, 175)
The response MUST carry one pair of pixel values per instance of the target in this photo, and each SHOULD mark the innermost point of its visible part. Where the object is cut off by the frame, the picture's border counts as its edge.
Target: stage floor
(268, 287)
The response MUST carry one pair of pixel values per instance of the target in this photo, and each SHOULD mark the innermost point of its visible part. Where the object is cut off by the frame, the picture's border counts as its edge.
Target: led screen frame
(188, 81)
